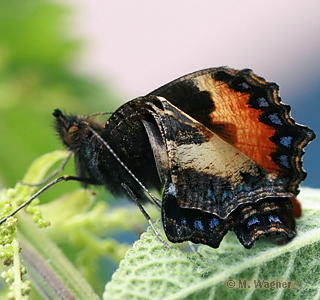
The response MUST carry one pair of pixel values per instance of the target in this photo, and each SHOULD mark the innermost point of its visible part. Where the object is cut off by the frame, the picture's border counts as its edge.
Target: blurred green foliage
(81, 245)
(36, 55)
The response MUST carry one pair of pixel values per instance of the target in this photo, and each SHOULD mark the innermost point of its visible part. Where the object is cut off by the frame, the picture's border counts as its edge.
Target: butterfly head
(74, 130)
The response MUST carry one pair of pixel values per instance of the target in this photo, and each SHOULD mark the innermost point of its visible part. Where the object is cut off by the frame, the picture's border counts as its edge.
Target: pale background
(137, 46)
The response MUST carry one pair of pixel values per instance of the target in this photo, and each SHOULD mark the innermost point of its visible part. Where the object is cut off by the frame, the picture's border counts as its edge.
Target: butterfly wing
(245, 111)
(207, 173)
(211, 187)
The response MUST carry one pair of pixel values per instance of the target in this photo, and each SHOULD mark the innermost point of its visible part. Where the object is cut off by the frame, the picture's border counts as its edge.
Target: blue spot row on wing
(262, 102)
(198, 224)
(286, 141)
(244, 85)
(242, 188)
(226, 194)
(253, 221)
(274, 118)
(284, 160)
(274, 218)
(210, 195)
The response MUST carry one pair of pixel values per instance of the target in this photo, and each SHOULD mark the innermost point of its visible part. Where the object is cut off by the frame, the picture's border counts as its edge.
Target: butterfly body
(94, 162)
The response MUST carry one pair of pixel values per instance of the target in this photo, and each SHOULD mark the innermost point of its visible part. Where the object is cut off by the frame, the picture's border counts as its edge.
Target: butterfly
(218, 144)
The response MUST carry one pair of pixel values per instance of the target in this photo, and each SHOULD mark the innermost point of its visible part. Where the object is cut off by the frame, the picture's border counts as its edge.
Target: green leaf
(49, 270)
(151, 271)
(41, 166)
(10, 199)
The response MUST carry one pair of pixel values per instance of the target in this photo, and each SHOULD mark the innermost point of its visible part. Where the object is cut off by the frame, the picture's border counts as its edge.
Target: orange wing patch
(241, 122)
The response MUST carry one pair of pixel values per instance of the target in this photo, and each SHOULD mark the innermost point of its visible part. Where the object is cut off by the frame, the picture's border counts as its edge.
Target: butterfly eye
(71, 135)
(73, 129)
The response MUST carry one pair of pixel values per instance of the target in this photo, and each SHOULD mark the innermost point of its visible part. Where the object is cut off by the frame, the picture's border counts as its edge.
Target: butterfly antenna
(156, 201)
(100, 113)
(135, 200)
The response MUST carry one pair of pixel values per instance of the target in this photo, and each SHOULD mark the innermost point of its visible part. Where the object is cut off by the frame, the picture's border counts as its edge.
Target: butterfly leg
(50, 184)
(135, 200)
